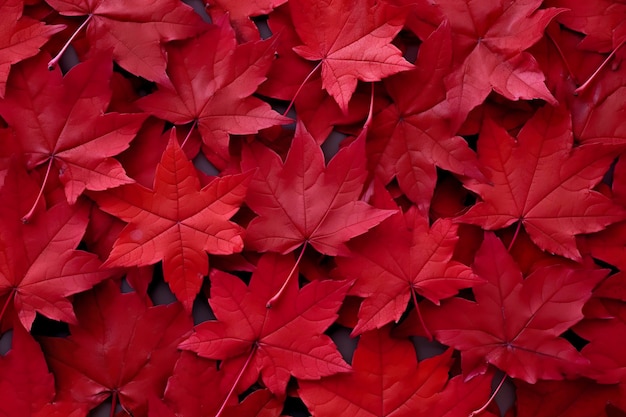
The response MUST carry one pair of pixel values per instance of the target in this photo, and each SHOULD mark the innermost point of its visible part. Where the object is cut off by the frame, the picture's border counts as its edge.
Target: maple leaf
(197, 388)
(460, 398)
(20, 37)
(354, 42)
(490, 51)
(302, 201)
(515, 323)
(214, 80)
(412, 136)
(177, 222)
(400, 257)
(26, 385)
(134, 33)
(552, 196)
(61, 122)
(386, 381)
(39, 266)
(121, 348)
(275, 342)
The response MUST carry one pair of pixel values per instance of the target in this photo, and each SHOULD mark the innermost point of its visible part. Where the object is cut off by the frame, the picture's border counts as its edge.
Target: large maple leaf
(39, 266)
(302, 201)
(274, 342)
(540, 181)
(400, 257)
(386, 380)
(490, 49)
(214, 80)
(515, 323)
(61, 122)
(353, 43)
(20, 37)
(177, 222)
(121, 348)
(134, 33)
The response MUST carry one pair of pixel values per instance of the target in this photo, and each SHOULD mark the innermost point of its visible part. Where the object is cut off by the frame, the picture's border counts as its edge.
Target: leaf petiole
(484, 407)
(232, 389)
(596, 72)
(300, 88)
(30, 213)
(54, 61)
(276, 296)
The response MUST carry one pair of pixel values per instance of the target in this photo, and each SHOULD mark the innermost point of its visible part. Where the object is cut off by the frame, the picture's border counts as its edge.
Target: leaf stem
(517, 229)
(6, 304)
(368, 121)
(232, 389)
(276, 296)
(562, 55)
(195, 122)
(429, 335)
(300, 88)
(30, 213)
(54, 61)
(484, 407)
(113, 404)
(604, 64)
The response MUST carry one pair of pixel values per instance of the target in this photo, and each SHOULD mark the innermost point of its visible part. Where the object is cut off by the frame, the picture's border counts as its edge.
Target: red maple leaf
(214, 79)
(403, 256)
(274, 342)
(302, 201)
(61, 122)
(20, 37)
(194, 377)
(354, 43)
(490, 50)
(134, 34)
(121, 348)
(515, 323)
(386, 380)
(552, 195)
(39, 266)
(176, 222)
(411, 137)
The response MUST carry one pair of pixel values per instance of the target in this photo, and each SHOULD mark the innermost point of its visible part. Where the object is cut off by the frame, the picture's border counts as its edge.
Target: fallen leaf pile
(298, 207)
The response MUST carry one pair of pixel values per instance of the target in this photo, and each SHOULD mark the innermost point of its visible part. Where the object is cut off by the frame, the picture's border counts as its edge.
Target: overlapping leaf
(176, 222)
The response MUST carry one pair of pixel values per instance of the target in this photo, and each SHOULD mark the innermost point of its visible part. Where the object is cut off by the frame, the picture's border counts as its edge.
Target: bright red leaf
(275, 342)
(354, 42)
(134, 34)
(413, 136)
(214, 80)
(39, 275)
(120, 348)
(176, 222)
(60, 122)
(301, 200)
(515, 323)
(198, 388)
(402, 256)
(490, 50)
(20, 37)
(386, 380)
(552, 195)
